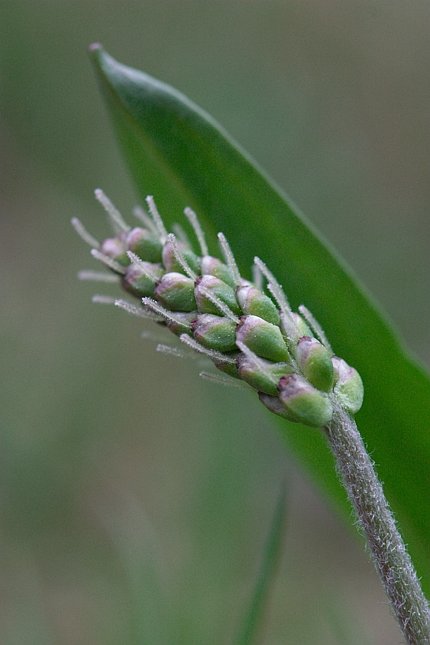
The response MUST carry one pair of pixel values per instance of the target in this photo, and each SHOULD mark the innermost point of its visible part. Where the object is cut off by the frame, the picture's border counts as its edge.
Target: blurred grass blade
(178, 153)
(252, 624)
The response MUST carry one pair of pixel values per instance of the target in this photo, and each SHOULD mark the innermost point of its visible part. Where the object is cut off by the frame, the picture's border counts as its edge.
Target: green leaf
(252, 624)
(180, 154)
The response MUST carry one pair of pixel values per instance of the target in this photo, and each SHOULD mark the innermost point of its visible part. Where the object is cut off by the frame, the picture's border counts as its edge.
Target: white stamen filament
(144, 218)
(229, 258)
(181, 234)
(134, 310)
(210, 353)
(83, 233)
(143, 266)
(154, 306)
(226, 381)
(109, 262)
(97, 276)
(273, 285)
(180, 257)
(315, 326)
(219, 304)
(194, 221)
(171, 350)
(159, 224)
(115, 216)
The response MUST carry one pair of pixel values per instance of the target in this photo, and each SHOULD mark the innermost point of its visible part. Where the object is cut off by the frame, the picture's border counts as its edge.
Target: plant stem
(389, 553)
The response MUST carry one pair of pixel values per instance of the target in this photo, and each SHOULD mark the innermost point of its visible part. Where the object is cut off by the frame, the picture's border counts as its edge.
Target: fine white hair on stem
(210, 353)
(117, 221)
(171, 350)
(181, 234)
(180, 256)
(229, 258)
(143, 266)
(219, 304)
(315, 326)
(198, 231)
(83, 233)
(97, 276)
(273, 285)
(134, 310)
(109, 262)
(154, 306)
(218, 379)
(144, 218)
(159, 224)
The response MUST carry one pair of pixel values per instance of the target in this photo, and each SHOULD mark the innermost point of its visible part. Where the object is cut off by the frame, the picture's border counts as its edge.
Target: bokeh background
(136, 498)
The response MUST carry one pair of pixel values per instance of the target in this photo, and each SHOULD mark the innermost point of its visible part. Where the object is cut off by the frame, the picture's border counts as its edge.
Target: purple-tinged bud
(183, 323)
(348, 389)
(314, 361)
(144, 244)
(253, 302)
(170, 261)
(304, 403)
(141, 282)
(273, 404)
(262, 375)
(215, 332)
(219, 289)
(263, 338)
(115, 249)
(176, 292)
(213, 266)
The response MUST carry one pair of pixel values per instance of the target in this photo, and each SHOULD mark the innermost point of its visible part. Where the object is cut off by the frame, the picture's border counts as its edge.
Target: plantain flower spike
(249, 333)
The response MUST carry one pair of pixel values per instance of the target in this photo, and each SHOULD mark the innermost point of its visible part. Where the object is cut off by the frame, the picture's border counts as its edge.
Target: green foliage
(178, 153)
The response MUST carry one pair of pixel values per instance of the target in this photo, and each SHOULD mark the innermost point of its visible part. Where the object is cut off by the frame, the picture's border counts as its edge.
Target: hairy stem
(389, 553)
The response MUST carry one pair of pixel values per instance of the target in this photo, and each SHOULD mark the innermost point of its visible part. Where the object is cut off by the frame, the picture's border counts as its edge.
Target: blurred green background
(136, 498)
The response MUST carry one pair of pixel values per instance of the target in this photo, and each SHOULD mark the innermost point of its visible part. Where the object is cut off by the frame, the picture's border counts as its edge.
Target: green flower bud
(254, 302)
(213, 266)
(262, 376)
(139, 282)
(302, 327)
(314, 360)
(145, 244)
(115, 249)
(219, 289)
(215, 332)
(227, 368)
(294, 327)
(304, 403)
(170, 262)
(182, 324)
(273, 404)
(263, 338)
(348, 388)
(176, 292)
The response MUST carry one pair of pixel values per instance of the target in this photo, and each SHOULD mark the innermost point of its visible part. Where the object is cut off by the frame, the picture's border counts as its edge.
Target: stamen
(220, 304)
(115, 216)
(154, 306)
(315, 326)
(180, 257)
(100, 299)
(211, 353)
(229, 258)
(144, 218)
(181, 234)
(97, 276)
(150, 335)
(83, 233)
(273, 285)
(133, 309)
(194, 221)
(159, 224)
(171, 350)
(257, 277)
(256, 360)
(221, 380)
(109, 262)
(143, 266)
